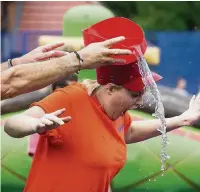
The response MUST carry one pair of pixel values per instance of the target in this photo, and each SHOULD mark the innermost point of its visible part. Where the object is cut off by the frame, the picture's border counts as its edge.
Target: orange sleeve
(127, 122)
(55, 101)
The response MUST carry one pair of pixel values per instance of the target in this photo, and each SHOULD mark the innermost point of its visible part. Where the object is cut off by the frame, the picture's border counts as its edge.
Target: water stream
(152, 88)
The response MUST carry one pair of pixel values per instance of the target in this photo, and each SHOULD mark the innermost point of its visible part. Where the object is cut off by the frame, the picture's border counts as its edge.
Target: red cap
(114, 27)
(127, 76)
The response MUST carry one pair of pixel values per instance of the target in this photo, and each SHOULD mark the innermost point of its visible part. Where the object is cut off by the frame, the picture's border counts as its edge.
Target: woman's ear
(110, 88)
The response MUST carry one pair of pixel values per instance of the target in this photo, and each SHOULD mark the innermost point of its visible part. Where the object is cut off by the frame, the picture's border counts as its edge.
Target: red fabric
(114, 27)
(126, 75)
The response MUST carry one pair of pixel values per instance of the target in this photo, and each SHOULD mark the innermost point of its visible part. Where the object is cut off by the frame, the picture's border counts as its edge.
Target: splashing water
(152, 88)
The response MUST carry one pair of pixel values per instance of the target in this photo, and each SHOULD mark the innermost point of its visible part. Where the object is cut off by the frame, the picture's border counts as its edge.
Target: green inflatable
(80, 17)
(83, 16)
(141, 172)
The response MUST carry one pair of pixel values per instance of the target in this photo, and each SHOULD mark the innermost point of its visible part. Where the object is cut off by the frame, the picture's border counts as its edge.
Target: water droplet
(154, 179)
(149, 179)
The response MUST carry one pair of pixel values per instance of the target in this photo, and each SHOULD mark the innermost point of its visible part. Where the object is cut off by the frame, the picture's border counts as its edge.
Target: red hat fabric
(127, 76)
(114, 27)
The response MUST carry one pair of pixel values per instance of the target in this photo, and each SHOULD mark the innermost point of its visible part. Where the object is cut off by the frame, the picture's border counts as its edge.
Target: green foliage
(159, 15)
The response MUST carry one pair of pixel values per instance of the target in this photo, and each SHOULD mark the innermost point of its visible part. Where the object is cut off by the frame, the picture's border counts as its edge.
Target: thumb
(192, 101)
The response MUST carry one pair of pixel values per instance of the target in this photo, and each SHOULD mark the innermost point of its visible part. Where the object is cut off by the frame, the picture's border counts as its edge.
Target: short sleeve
(55, 101)
(127, 122)
(70, 98)
(49, 104)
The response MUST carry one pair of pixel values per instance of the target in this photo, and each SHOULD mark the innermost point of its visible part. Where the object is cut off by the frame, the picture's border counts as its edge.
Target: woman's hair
(93, 85)
(90, 85)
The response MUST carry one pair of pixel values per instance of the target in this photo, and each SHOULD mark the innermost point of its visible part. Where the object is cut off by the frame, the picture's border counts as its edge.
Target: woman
(88, 151)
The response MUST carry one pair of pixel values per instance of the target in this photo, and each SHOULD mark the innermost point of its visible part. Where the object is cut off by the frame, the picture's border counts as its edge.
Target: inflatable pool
(141, 172)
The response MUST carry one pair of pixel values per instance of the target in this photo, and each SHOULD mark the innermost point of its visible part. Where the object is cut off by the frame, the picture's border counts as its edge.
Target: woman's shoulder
(75, 91)
(73, 88)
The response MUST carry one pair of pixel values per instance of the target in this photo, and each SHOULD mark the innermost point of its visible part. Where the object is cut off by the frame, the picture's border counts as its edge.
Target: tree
(159, 15)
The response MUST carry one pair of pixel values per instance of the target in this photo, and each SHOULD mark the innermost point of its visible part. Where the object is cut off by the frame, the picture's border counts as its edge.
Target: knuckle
(104, 52)
(111, 41)
(103, 60)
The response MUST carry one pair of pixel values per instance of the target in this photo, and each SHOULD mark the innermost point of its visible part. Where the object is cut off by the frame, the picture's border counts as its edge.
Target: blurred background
(173, 33)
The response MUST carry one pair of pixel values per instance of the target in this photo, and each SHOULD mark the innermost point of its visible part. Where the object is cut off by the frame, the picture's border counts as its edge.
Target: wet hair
(136, 94)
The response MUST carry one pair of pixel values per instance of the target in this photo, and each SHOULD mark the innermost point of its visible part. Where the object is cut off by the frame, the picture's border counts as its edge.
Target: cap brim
(156, 77)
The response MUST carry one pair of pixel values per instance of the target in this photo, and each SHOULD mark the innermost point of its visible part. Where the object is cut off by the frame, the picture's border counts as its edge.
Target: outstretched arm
(41, 53)
(26, 78)
(142, 130)
(34, 120)
(30, 77)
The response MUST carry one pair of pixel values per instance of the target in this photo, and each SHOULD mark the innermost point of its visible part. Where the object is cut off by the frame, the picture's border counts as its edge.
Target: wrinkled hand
(192, 115)
(98, 54)
(41, 54)
(51, 121)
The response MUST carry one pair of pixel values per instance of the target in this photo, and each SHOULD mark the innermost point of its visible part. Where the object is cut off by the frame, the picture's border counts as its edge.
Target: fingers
(52, 46)
(50, 54)
(41, 125)
(111, 60)
(46, 121)
(57, 53)
(44, 56)
(192, 100)
(58, 112)
(118, 52)
(66, 119)
(113, 41)
(55, 119)
(198, 96)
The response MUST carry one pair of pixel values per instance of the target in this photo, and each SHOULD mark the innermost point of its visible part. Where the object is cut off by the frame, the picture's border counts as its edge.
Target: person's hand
(192, 115)
(51, 121)
(41, 53)
(98, 54)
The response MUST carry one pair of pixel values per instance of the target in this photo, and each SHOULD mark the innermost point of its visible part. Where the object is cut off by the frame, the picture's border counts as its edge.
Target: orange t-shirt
(82, 155)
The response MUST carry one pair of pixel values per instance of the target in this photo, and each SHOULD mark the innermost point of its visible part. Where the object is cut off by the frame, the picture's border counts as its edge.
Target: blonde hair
(93, 85)
(90, 85)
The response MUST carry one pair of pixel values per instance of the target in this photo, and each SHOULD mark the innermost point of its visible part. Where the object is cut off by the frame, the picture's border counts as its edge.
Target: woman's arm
(34, 120)
(23, 124)
(142, 130)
